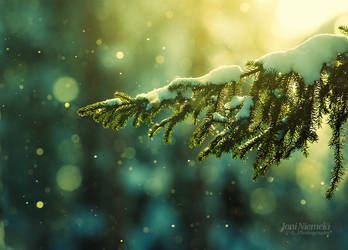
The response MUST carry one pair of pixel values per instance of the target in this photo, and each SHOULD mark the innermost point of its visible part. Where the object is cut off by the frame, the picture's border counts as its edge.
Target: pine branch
(276, 115)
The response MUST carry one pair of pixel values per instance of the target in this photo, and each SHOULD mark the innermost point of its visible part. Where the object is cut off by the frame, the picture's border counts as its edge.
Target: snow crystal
(113, 102)
(218, 117)
(220, 75)
(244, 112)
(236, 101)
(307, 58)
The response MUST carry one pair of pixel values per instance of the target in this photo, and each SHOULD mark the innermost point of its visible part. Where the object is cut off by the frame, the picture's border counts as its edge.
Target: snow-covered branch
(275, 115)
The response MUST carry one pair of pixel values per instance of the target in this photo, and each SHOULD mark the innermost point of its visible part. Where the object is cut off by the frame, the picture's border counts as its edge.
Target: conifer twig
(281, 112)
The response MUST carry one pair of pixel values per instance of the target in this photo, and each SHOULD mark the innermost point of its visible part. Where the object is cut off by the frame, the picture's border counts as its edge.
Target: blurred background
(67, 183)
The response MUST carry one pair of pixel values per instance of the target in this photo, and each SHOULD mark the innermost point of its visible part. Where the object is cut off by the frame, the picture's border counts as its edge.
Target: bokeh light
(119, 55)
(40, 204)
(65, 89)
(67, 183)
(69, 178)
(39, 151)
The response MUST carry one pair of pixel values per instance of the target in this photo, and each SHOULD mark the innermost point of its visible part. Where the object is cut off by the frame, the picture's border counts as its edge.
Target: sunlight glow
(294, 17)
(342, 21)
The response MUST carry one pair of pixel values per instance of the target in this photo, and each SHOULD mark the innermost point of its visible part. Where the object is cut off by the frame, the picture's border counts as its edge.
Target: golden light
(342, 21)
(295, 17)
(244, 7)
(99, 42)
(39, 204)
(119, 55)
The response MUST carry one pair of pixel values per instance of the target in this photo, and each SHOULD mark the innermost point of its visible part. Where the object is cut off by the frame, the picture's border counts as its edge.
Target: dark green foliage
(285, 116)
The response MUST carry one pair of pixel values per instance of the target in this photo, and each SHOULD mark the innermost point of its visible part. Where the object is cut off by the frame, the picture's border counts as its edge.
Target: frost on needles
(278, 113)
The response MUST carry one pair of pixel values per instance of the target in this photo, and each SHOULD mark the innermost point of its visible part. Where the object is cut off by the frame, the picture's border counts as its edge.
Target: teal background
(121, 190)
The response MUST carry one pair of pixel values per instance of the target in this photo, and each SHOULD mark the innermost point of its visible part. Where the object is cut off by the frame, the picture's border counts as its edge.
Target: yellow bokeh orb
(119, 55)
(65, 89)
(99, 42)
(69, 178)
(303, 202)
(39, 204)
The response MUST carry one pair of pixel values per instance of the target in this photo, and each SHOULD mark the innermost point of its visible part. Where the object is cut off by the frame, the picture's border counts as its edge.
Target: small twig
(250, 72)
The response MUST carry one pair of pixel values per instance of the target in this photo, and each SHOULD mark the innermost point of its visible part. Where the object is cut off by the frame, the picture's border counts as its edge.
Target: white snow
(221, 75)
(307, 58)
(113, 102)
(165, 93)
(218, 117)
(158, 95)
(235, 101)
(244, 112)
(247, 102)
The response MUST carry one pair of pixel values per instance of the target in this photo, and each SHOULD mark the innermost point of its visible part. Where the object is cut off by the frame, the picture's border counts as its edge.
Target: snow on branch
(278, 113)
(221, 75)
(245, 110)
(307, 58)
